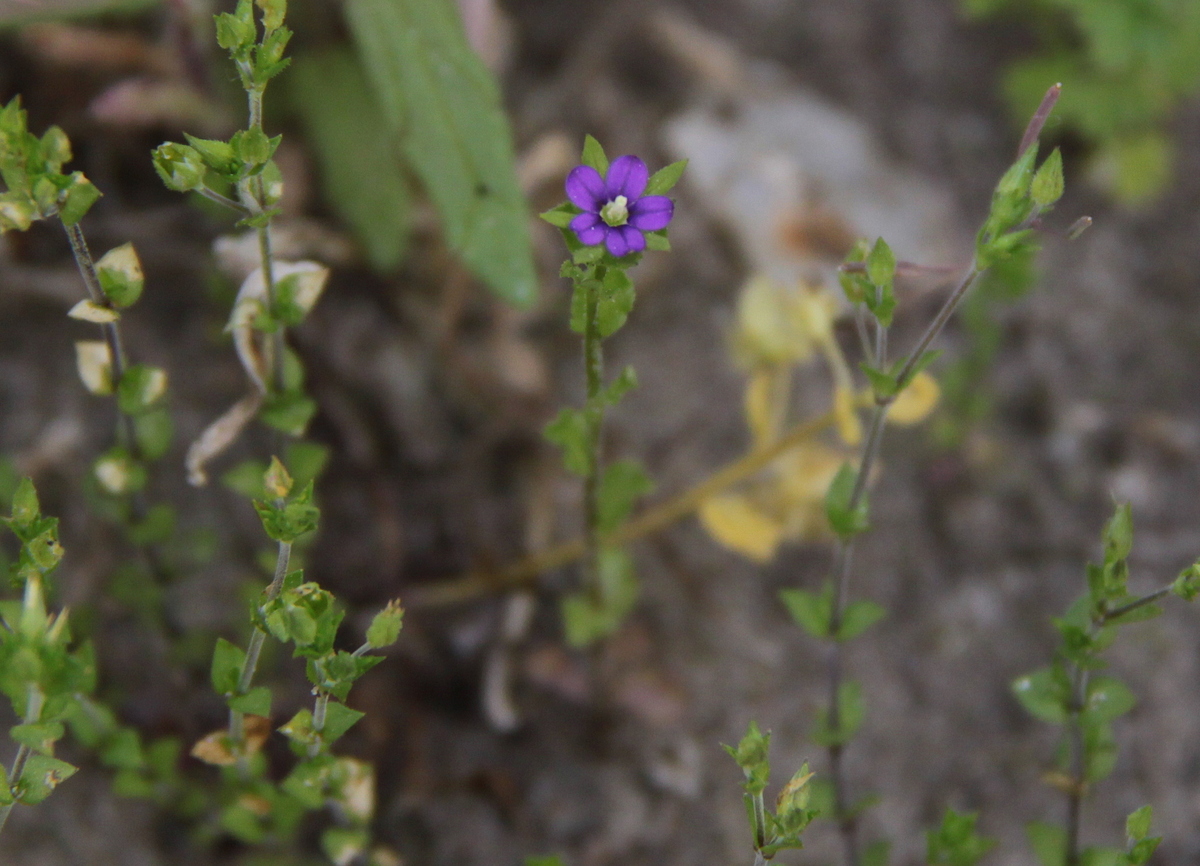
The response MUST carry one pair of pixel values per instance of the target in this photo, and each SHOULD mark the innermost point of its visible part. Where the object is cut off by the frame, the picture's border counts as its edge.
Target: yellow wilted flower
(737, 523)
(766, 402)
(778, 324)
(845, 413)
(916, 401)
(784, 503)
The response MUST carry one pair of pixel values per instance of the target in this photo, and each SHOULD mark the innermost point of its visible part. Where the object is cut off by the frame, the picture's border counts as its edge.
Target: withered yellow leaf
(734, 521)
(915, 402)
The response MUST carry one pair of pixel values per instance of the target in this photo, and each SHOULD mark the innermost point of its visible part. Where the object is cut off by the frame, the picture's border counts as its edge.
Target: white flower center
(616, 212)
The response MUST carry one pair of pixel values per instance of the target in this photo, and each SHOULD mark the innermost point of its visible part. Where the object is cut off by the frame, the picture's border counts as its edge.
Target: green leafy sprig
(779, 829)
(1071, 694)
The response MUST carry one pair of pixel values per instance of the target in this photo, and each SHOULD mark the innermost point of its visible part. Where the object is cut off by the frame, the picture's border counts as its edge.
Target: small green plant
(616, 211)
(1072, 694)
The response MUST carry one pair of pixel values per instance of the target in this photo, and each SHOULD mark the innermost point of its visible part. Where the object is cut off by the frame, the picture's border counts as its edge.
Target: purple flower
(614, 209)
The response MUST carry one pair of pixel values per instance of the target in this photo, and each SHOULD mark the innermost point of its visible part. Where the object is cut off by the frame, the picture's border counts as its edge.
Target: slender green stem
(1110, 615)
(34, 702)
(213, 195)
(237, 719)
(760, 822)
(593, 360)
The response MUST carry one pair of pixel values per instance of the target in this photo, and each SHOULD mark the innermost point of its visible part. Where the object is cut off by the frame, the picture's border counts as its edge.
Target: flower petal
(585, 188)
(626, 176)
(589, 235)
(651, 213)
(634, 238)
(630, 240)
(615, 243)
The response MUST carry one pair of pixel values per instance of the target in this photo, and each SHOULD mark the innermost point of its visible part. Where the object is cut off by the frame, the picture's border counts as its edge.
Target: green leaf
(955, 842)
(593, 155)
(305, 461)
(1137, 825)
(181, 167)
(751, 755)
(41, 776)
(77, 199)
(1118, 534)
(560, 216)
(227, 665)
(343, 845)
(625, 382)
(851, 712)
(1108, 698)
(447, 112)
(860, 616)
(361, 168)
(1141, 851)
(1099, 749)
(339, 718)
(1045, 694)
(570, 432)
(588, 616)
(257, 702)
(40, 737)
(289, 412)
(153, 430)
(812, 611)
(124, 750)
(927, 358)
(140, 388)
(883, 384)
(621, 485)
(120, 273)
(289, 521)
(663, 180)
(1049, 843)
(614, 303)
(846, 522)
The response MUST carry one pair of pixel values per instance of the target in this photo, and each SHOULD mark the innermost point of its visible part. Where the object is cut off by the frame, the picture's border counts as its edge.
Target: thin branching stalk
(318, 722)
(847, 824)
(654, 519)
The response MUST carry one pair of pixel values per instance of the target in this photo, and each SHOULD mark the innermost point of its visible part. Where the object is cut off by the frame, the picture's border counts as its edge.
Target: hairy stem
(320, 707)
(593, 360)
(33, 713)
(237, 719)
(112, 335)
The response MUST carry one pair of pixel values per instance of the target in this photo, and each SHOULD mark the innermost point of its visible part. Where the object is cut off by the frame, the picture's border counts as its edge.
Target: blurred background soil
(432, 397)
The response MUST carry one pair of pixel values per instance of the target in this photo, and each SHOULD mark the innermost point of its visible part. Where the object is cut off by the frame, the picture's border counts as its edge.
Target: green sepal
(337, 672)
(76, 199)
(752, 755)
(593, 155)
(25, 507)
(1137, 825)
(1187, 584)
(343, 844)
(385, 627)
(883, 384)
(663, 180)
(560, 216)
(181, 167)
(289, 521)
(656, 241)
(1048, 185)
